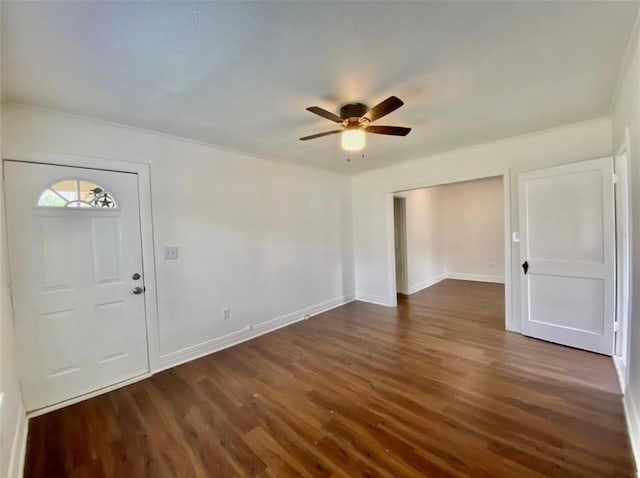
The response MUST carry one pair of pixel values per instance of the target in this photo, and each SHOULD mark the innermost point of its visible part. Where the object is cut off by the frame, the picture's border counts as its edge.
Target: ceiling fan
(356, 119)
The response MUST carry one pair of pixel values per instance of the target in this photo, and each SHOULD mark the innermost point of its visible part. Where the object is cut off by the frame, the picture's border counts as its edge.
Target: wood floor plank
(435, 387)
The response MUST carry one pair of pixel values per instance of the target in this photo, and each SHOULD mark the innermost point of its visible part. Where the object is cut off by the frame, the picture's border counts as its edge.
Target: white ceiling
(240, 75)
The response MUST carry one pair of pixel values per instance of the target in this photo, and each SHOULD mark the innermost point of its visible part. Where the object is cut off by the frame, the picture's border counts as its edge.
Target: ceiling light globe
(353, 140)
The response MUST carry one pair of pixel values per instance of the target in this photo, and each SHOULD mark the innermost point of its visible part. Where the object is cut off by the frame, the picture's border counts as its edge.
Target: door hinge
(615, 178)
(616, 326)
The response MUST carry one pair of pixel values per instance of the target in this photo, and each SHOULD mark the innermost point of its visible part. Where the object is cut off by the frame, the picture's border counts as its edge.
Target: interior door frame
(142, 170)
(401, 222)
(622, 363)
(505, 175)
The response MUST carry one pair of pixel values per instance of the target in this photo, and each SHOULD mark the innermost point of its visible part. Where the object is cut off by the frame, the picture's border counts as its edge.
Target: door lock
(138, 290)
(136, 276)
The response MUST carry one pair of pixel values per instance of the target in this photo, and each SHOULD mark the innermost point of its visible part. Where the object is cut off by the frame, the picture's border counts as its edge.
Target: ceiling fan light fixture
(355, 118)
(353, 139)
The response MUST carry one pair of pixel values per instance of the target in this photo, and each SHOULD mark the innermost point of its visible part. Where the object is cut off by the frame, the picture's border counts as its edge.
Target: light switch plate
(516, 237)
(170, 253)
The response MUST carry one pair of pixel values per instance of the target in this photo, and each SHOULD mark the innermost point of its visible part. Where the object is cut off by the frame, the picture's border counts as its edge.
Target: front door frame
(142, 170)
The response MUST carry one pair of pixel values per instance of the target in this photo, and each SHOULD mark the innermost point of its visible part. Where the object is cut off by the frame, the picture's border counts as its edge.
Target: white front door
(567, 230)
(76, 279)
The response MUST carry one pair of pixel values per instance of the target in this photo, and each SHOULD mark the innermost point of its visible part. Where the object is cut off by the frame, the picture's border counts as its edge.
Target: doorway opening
(452, 232)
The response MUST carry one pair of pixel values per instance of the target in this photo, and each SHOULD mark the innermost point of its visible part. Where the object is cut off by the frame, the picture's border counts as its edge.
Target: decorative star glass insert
(77, 193)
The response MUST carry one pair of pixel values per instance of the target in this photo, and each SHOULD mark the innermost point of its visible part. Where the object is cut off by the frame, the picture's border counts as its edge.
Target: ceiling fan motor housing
(353, 110)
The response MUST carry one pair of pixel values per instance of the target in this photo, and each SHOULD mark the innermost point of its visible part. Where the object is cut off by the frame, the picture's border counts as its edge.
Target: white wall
(626, 114)
(269, 240)
(12, 414)
(373, 207)
(474, 230)
(425, 238)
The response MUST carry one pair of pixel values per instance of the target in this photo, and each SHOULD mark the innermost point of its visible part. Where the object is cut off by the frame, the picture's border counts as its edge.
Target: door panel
(62, 338)
(567, 238)
(559, 301)
(578, 222)
(56, 251)
(106, 249)
(79, 327)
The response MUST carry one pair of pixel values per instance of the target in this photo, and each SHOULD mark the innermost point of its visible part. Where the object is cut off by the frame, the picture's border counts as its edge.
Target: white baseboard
(19, 446)
(633, 425)
(620, 366)
(418, 286)
(205, 348)
(475, 277)
(413, 288)
(87, 396)
(374, 299)
(250, 332)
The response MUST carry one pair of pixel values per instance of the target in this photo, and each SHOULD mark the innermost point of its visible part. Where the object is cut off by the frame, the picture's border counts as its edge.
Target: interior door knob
(138, 290)
(136, 276)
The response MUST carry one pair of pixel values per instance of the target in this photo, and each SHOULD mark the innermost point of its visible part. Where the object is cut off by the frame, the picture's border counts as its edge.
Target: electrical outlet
(226, 313)
(170, 253)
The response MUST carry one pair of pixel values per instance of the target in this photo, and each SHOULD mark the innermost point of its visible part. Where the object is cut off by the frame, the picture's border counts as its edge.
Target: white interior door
(75, 257)
(567, 230)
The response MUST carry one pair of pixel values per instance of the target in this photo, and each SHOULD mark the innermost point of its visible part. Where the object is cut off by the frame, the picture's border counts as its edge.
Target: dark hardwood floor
(433, 388)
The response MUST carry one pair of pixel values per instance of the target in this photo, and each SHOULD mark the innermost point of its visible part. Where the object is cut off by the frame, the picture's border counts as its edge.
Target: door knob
(138, 290)
(136, 276)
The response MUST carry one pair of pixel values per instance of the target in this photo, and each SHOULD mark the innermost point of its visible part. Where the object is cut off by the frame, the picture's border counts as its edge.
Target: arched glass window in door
(77, 193)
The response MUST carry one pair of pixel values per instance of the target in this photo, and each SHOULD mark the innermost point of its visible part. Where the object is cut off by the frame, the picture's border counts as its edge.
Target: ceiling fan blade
(393, 130)
(325, 114)
(382, 109)
(320, 135)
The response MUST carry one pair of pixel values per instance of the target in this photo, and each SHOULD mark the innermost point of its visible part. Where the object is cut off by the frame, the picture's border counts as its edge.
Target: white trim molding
(624, 282)
(375, 299)
(19, 445)
(188, 354)
(87, 396)
(193, 352)
(418, 286)
(621, 372)
(633, 425)
(475, 277)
